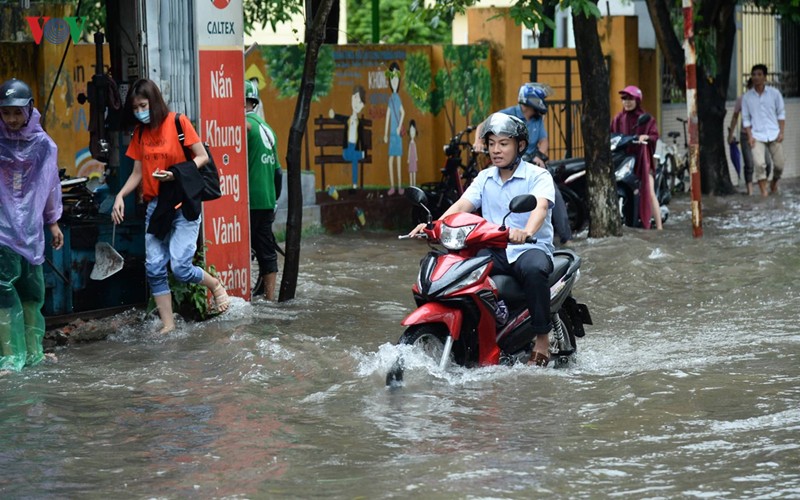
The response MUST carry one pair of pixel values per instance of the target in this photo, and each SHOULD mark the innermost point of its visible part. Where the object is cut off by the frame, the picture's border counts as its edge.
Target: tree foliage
(462, 86)
(398, 23)
(259, 13)
(285, 69)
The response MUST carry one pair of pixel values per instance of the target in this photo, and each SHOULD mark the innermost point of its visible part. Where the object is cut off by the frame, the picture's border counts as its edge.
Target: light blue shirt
(762, 112)
(536, 131)
(490, 194)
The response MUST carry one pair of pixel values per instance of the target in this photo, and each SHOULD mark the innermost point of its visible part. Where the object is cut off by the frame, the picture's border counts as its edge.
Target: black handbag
(209, 172)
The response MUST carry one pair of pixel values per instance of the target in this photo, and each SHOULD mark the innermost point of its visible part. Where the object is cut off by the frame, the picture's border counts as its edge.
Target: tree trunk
(547, 36)
(604, 219)
(714, 173)
(315, 35)
(332, 23)
(717, 18)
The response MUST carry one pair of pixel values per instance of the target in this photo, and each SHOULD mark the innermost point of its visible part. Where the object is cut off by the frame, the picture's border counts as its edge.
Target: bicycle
(456, 177)
(677, 163)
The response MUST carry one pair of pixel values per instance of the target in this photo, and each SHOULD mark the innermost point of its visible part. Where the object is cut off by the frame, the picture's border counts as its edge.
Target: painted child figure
(412, 153)
(30, 198)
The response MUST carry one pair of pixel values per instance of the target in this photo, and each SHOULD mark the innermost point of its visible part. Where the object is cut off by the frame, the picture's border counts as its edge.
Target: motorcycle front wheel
(430, 338)
(625, 204)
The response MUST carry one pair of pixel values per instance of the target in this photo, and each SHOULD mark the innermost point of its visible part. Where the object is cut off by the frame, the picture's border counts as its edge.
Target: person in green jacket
(264, 178)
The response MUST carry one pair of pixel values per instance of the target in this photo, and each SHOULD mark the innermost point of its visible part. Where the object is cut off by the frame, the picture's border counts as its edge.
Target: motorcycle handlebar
(529, 239)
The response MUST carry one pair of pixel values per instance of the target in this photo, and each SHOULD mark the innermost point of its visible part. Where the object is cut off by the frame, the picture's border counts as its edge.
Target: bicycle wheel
(671, 173)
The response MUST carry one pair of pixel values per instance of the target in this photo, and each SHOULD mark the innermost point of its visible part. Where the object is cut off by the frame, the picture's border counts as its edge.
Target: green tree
(316, 14)
(715, 37)
(398, 24)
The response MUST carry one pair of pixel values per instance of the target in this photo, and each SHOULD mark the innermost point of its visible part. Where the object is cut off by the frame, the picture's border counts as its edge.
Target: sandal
(221, 299)
(539, 359)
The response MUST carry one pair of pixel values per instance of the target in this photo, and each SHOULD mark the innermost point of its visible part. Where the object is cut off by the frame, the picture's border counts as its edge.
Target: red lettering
(37, 29)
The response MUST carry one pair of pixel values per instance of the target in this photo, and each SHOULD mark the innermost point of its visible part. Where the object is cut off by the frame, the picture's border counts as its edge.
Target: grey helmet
(505, 125)
(534, 94)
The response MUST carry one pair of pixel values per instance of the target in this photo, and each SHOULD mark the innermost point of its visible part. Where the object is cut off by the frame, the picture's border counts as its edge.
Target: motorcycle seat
(510, 290)
(673, 134)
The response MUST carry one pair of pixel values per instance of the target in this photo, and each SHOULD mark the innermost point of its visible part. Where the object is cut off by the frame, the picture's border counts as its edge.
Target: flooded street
(687, 385)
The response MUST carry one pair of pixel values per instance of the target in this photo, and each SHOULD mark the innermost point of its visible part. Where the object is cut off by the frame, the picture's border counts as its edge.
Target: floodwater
(687, 386)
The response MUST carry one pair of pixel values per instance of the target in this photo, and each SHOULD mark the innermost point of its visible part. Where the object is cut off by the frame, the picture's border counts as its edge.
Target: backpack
(209, 172)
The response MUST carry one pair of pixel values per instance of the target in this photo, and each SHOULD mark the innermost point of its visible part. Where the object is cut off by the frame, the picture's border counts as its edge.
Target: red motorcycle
(466, 317)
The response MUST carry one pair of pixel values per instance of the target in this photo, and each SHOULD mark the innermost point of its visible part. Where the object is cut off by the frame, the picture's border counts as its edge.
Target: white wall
(791, 140)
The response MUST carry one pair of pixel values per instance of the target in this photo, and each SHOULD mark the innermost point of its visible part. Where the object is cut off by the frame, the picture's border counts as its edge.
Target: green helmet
(251, 91)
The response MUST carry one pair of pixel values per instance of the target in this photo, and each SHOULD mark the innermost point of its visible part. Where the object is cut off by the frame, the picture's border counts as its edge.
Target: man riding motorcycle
(506, 138)
(531, 108)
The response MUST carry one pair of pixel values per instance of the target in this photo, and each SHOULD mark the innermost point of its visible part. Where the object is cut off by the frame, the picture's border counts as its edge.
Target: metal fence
(563, 118)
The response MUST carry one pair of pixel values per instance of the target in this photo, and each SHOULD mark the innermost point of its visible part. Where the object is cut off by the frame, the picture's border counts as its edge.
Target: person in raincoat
(30, 199)
(626, 123)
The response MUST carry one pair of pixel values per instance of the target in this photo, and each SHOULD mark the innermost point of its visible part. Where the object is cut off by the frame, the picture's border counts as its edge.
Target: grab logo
(221, 4)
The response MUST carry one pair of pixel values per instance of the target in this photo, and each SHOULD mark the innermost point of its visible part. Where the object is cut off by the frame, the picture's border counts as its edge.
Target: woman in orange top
(154, 148)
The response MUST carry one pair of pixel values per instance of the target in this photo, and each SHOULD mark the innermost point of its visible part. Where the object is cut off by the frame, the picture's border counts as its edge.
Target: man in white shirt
(763, 118)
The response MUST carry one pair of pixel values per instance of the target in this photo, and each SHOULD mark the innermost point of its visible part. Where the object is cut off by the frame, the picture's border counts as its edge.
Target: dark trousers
(263, 240)
(560, 218)
(532, 270)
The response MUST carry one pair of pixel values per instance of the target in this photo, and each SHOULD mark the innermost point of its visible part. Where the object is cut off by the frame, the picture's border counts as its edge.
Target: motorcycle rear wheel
(567, 347)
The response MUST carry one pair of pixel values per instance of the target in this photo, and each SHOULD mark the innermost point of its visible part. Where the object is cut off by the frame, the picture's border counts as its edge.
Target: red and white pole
(691, 108)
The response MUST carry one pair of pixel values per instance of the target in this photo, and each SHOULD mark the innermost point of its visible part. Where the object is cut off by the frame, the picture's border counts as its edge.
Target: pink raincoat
(625, 123)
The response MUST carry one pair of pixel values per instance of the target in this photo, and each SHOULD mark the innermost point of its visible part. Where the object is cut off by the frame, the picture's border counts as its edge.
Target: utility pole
(691, 107)
(376, 21)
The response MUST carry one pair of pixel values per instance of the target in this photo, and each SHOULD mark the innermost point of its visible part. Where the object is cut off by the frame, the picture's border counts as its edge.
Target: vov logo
(56, 30)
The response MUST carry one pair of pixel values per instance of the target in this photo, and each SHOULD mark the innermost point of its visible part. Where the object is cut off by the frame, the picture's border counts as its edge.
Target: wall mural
(370, 104)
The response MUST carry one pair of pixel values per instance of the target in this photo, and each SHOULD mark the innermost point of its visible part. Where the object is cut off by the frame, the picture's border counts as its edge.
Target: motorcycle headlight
(468, 280)
(615, 141)
(454, 238)
(625, 169)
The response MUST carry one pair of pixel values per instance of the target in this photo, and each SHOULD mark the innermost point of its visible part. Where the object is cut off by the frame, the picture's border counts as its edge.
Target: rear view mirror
(522, 203)
(416, 195)
(644, 118)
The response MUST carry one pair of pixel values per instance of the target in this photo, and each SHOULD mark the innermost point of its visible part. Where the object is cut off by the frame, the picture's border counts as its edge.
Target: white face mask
(143, 116)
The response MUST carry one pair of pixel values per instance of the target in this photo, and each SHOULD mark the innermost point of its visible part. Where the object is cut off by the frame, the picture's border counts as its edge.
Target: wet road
(687, 386)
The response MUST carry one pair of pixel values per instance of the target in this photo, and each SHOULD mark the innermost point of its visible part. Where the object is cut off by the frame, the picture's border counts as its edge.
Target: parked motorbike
(569, 176)
(628, 181)
(77, 199)
(466, 317)
(456, 176)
